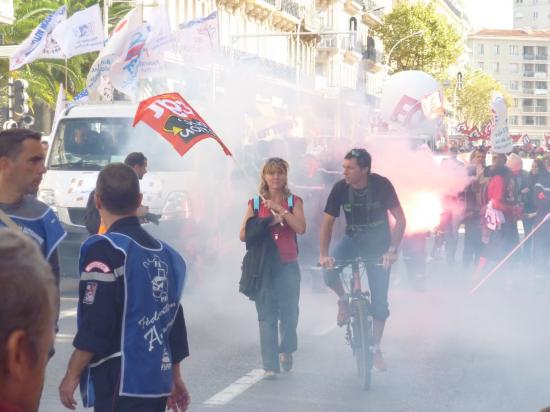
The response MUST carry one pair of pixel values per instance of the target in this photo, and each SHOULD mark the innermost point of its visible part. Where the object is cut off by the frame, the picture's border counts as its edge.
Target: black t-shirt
(366, 210)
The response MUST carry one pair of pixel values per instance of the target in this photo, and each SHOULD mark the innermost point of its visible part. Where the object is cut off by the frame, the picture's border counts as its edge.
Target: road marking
(325, 331)
(69, 299)
(67, 313)
(236, 388)
(64, 337)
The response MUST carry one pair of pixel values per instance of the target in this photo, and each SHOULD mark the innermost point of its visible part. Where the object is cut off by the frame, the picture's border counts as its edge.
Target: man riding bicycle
(366, 199)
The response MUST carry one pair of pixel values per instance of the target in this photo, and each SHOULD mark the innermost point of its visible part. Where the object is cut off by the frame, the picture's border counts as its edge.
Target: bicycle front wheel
(363, 342)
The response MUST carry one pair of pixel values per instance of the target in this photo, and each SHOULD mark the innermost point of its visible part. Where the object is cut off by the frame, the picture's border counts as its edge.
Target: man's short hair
(361, 155)
(118, 188)
(135, 159)
(28, 294)
(11, 141)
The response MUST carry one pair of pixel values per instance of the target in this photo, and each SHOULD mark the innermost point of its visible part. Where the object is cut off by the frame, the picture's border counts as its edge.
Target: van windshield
(92, 143)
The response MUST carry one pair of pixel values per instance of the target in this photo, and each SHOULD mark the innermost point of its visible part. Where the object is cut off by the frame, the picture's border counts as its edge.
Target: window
(541, 68)
(513, 120)
(528, 120)
(481, 66)
(497, 50)
(513, 67)
(541, 85)
(541, 121)
(513, 50)
(516, 102)
(481, 49)
(496, 67)
(519, 1)
(542, 52)
(535, 15)
(514, 85)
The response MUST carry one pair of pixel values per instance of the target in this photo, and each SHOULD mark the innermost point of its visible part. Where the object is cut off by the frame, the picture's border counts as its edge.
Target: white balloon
(411, 99)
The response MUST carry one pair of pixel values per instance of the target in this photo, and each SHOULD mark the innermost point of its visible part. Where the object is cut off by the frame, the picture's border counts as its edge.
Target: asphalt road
(446, 350)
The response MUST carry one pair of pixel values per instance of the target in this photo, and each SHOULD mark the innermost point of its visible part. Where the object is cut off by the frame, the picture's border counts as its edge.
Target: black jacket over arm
(260, 260)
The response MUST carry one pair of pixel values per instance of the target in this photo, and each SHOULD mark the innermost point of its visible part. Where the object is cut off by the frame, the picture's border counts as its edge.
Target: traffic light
(20, 97)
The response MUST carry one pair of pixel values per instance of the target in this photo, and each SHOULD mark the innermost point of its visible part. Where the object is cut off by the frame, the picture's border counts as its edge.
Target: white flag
(200, 35)
(160, 38)
(501, 141)
(117, 40)
(34, 45)
(113, 48)
(124, 71)
(81, 33)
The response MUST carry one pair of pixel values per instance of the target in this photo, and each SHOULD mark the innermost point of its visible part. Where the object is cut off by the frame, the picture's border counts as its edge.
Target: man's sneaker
(343, 311)
(378, 362)
(286, 361)
(270, 375)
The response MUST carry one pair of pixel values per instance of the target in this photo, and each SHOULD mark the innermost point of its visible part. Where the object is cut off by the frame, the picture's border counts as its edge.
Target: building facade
(518, 59)
(533, 14)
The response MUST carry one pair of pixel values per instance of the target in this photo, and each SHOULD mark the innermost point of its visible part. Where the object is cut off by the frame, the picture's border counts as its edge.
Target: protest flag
(174, 119)
(199, 36)
(39, 43)
(81, 33)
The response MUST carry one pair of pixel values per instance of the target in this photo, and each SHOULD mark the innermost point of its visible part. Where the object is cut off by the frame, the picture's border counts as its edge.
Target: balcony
(370, 17)
(541, 57)
(353, 7)
(287, 15)
(352, 50)
(260, 9)
(311, 22)
(535, 109)
(528, 56)
(528, 74)
(373, 59)
(321, 5)
(541, 92)
(541, 75)
(327, 47)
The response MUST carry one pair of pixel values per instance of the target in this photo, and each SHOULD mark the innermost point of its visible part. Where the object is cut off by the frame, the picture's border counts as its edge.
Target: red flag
(172, 117)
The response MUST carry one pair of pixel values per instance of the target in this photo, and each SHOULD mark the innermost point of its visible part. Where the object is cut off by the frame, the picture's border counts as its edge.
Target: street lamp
(417, 33)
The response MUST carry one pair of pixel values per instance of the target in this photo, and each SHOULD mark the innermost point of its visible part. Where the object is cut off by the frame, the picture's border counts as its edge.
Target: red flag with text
(172, 117)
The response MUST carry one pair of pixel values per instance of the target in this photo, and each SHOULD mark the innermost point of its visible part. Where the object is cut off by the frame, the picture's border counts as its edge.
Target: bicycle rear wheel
(363, 341)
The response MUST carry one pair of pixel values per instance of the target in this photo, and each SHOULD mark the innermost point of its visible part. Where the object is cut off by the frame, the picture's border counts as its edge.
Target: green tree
(45, 76)
(437, 48)
(473, 100)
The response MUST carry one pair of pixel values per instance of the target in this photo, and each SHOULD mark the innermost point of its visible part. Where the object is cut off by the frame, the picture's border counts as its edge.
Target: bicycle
(359, 332)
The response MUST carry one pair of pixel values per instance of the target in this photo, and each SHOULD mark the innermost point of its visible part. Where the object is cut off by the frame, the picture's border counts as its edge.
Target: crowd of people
(131, 336)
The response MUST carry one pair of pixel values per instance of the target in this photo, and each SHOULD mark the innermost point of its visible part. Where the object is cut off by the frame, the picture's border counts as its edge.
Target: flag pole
(66, 75)
(509, 255)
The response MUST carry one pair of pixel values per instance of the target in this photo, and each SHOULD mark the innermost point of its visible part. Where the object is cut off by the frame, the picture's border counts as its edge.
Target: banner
(124, 71)
(160, 38)
(199, 36)
(113, 48)
(174, 119)
(81, 33)
(39, 41)
(501, 142)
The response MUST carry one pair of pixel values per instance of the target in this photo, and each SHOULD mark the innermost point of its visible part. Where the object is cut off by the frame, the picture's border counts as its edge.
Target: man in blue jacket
(131, 333)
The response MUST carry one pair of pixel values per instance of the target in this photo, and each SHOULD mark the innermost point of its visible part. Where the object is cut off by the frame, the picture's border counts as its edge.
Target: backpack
(256, 204)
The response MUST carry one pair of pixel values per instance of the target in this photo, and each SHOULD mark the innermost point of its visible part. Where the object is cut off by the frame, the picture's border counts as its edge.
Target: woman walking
(271, 276)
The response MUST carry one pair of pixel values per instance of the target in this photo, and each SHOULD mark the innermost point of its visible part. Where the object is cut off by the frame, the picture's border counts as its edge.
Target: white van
(105, 135)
